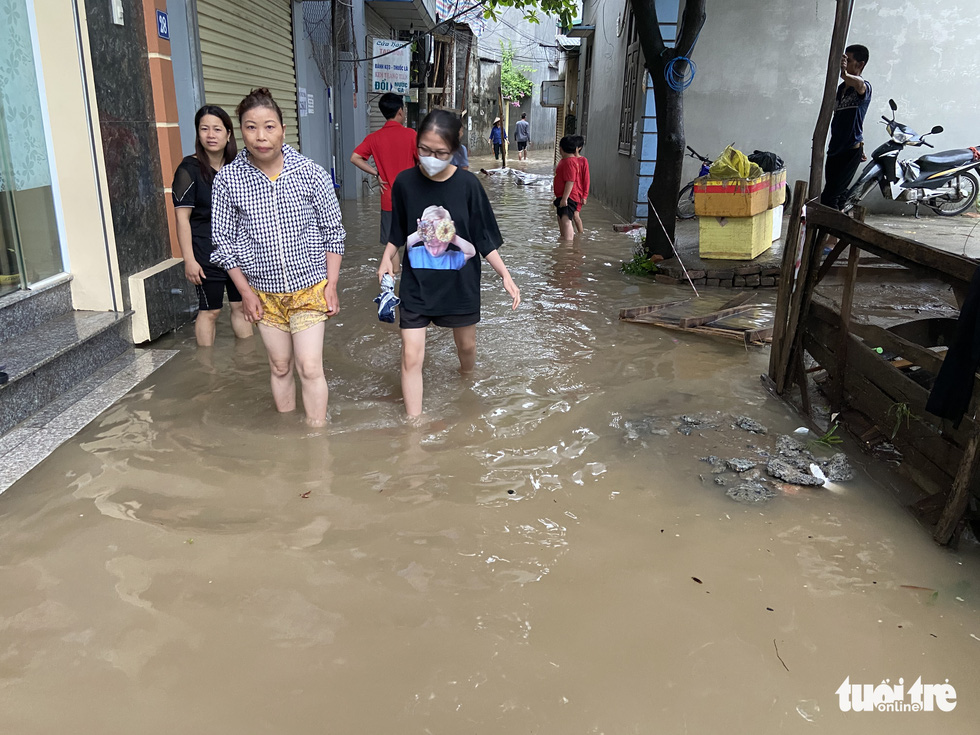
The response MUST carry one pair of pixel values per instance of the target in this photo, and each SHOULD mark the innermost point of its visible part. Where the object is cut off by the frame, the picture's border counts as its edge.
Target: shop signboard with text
(390, 63)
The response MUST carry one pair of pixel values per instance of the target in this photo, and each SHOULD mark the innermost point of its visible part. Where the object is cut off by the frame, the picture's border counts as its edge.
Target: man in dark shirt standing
(522, 136)
(846, 149)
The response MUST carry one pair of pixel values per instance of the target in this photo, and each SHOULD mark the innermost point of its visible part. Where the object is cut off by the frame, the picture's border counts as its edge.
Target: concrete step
(25, 311)
(57, 354)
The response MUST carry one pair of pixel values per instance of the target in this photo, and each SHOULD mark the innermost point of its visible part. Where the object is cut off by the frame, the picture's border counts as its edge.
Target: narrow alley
(547, 555)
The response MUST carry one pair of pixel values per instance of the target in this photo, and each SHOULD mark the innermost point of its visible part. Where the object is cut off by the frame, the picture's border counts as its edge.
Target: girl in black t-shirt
(442, 216)
(214, 147)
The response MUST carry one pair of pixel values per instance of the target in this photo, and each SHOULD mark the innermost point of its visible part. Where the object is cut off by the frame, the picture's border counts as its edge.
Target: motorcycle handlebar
(885, 118)
(926, 142)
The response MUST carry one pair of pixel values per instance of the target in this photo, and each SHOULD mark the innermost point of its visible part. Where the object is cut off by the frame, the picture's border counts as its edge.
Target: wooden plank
(847, 301)
(699, 319)
(891, 247)
(758, 336)
(738, 300)
(923, 434)
(959, 498)
(917, 354)
(831, 259)
(631, 313)
(786, 277)
(803, 294)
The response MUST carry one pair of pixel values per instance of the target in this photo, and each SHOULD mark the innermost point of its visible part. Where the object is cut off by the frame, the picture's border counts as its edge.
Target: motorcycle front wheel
(685, 202)
(965, 188)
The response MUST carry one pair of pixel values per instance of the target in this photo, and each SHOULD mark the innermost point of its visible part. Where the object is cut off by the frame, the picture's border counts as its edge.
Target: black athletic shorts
(385, 226)
(211, 292)
(521, 145)
(410, 320)
(568, 211)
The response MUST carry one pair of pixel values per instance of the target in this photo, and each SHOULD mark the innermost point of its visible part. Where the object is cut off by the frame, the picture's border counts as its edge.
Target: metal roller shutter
(244, 46)
(376, 28)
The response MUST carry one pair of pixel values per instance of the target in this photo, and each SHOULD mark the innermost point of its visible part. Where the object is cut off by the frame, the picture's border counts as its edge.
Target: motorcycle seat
(946, 159)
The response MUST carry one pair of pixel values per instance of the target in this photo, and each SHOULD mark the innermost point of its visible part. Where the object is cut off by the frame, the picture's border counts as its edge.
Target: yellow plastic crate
(732, 197)
(777, 188)
(735, 238)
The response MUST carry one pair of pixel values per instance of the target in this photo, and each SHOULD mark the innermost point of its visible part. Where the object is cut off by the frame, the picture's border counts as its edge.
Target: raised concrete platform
(760, 272)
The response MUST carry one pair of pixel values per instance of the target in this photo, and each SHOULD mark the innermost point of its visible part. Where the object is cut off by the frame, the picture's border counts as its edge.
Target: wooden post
(842, 22)
(790, 246)
(959, 496)
(846, 303)
(503, 148)
(797, 308)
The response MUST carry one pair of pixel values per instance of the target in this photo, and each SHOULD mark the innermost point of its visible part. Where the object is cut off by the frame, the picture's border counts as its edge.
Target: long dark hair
(444, 124)
(231, 147)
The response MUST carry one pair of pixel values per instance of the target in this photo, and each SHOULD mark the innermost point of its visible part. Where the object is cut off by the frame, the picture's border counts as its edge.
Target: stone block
(721, 274)
(747, 270)
(738, 281)
(753, 280)
(696, 275)
(666, 280)
(699, 281)
(768, 281)
(770, 271)
(712, 282)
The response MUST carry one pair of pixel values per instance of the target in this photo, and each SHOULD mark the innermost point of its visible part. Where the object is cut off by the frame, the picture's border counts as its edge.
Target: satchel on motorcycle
(943, 181)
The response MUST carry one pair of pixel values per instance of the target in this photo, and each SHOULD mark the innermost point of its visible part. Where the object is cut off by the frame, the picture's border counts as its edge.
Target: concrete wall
(767, 96)
(534, 45)
(613, 173)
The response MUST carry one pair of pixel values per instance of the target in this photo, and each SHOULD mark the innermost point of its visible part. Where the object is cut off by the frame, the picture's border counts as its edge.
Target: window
(30, 247)
(631, 75)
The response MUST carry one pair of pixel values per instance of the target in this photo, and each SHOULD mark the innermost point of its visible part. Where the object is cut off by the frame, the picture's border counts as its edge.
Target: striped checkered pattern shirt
(277, 232)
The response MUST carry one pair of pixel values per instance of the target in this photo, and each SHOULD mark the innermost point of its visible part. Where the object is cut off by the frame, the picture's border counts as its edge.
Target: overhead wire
(462, 12)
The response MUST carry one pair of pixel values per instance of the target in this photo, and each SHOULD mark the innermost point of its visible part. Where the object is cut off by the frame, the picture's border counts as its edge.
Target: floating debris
(751, 492)
(788, 473)
(740, 465)
(838, 469)
(721, 481)
(747, 424)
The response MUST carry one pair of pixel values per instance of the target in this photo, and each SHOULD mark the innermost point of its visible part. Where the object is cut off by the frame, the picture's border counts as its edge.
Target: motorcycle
(942, 181)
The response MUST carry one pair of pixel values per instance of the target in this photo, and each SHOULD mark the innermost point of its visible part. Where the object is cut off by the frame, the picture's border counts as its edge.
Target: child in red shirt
(567, 193)
(583, 180)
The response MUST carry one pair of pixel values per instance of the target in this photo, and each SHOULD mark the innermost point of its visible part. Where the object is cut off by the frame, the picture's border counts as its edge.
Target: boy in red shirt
(567, 196)
(393, 148)
(583, 180)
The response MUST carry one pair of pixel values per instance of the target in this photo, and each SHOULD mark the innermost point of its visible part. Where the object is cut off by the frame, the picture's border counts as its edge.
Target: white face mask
(432, 165)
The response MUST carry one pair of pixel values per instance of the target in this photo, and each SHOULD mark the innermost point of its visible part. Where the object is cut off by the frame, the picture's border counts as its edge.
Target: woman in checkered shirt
(276, 229)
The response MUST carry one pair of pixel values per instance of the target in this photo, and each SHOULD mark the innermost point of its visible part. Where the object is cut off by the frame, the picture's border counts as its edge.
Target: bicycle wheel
(685, 202)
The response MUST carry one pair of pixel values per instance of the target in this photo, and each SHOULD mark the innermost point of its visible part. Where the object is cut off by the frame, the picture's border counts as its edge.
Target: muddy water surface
(543, 557)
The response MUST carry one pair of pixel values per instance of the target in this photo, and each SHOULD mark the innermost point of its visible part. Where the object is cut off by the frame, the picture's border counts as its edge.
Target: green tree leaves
(513, 84)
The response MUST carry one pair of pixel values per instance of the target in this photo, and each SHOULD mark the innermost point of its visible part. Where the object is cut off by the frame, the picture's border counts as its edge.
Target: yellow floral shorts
(294, 312)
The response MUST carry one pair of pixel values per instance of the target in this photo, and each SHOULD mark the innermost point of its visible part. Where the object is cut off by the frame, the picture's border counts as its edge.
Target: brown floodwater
(548, 555)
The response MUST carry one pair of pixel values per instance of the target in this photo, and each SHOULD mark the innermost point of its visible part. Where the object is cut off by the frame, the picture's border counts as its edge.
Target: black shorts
(385, 226)
(212, 290)
(568, 211)
(410, 320)
(521, 145)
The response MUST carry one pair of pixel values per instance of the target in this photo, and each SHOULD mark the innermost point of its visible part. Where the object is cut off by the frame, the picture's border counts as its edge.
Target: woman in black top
(214, 147)
(442, 216)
